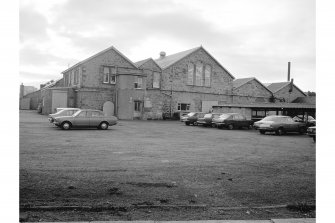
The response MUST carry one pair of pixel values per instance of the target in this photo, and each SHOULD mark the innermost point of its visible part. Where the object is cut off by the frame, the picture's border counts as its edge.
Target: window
(97, 114)
(109, 75)
(183, 107)
(156, 80)
(208, 70)
(137, 106)
(190, 73)
(75, 77)
(138, 82)
(82, 114)
(198, 74)
(106, 75)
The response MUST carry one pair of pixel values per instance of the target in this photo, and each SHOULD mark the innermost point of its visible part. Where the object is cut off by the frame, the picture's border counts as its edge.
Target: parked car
(62, 112)
(207, 119)
(311, 131)
(191, 118)
(87, 118)
(232, 120)
(310, 121)
(279, 125)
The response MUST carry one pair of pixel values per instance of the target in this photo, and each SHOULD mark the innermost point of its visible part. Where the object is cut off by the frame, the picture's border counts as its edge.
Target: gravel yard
(161, 170)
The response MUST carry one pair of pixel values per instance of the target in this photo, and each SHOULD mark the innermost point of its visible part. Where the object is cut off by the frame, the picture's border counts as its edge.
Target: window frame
(158, 78)
(136, 83)
(137, 106)
(190, 74)
(199, 74)
(180, 105)
(209, 78)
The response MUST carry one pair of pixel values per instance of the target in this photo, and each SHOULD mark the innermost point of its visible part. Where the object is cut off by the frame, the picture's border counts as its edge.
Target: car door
(82, 119)
(290, 125)
(96, 118)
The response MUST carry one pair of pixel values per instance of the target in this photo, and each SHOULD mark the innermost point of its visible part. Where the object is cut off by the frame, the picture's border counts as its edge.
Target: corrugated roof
(173, 58)
(269, 105)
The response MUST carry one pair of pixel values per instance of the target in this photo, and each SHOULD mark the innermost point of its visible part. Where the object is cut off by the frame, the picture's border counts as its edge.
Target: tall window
(106, 75)
(137, 106)
(208, 70)
(76, 76)
(109, 75)
(199, 74)
(156, 80)
(190, 73)
(138, 82)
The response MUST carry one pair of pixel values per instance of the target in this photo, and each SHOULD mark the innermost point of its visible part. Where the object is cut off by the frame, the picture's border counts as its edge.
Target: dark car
(232, 120)
(311, 131)
(86, 118)
(279, 125)
(191, 118)
(207, 119)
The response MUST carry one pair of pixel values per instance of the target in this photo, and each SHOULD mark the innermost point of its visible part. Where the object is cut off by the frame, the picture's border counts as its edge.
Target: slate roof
(173, 58)
(241, 81)
(169, 60)
(275, 87)
(98, 54)
(141, 62)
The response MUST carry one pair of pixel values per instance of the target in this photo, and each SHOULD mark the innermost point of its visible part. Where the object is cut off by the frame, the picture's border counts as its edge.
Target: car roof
(90, 110)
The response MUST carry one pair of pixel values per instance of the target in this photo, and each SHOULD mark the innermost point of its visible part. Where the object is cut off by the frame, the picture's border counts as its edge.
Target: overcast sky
(250, 38)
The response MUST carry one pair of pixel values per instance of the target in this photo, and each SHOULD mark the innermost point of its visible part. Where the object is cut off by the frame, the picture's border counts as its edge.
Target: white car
(62, 112)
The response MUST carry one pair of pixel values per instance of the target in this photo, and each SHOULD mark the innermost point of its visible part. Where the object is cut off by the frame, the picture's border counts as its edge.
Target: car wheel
(262, 132)
(66, 125)
(195, 123)
(230, 127)
(213, 125)
(280, 131)
(187, 123)
(219, 126)
(250, 127)
(103, 125)
(314, 138)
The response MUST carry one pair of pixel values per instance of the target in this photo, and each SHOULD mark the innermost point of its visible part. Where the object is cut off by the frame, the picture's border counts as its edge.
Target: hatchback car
(86, 118)
(232, 120)
(191, 118)
(279, 125)
(62, 112)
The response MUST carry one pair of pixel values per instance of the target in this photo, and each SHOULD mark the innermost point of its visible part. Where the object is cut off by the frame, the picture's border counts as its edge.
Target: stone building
(285, 91)
(192, 80)
(250, 90)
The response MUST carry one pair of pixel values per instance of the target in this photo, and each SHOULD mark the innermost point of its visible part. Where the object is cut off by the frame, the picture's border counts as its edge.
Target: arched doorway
(108, 108)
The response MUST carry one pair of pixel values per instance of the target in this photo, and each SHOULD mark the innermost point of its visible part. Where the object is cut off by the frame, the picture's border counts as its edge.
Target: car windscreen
(208, 116)
(190, 114)
(76, 113)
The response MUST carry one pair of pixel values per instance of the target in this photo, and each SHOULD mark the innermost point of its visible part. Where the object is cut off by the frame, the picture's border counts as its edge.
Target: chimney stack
(289, 71)
(162, 55)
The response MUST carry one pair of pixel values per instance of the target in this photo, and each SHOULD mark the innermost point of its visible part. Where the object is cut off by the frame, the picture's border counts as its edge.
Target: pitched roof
(168, 61)
(275, 87)
(98, 54)
(241, 81)
(269, 105)
(142, 62)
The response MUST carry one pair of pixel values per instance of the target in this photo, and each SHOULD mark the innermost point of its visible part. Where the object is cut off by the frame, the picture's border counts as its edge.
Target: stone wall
(94, 98)
(289, 97)
(251, 92)
(247, 112)
(221, 81)
(35, 98)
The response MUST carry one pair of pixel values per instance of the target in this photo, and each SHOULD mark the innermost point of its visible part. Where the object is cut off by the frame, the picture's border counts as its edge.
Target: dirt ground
(161, 170)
